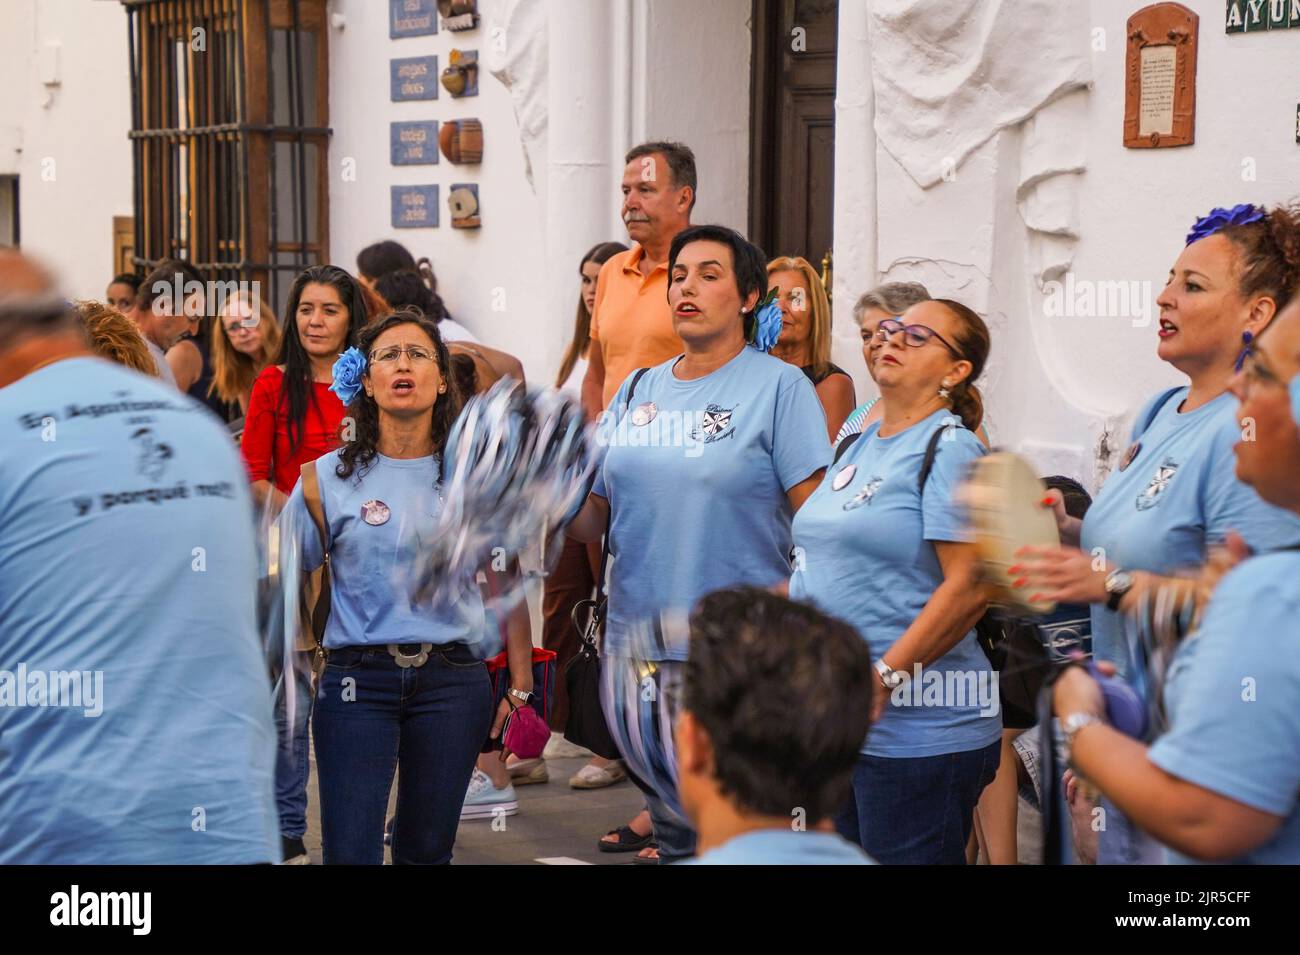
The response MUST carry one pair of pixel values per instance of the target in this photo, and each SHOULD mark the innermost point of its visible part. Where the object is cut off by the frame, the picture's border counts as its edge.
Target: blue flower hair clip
(349, 368)
(1242, 214)
(767, 322)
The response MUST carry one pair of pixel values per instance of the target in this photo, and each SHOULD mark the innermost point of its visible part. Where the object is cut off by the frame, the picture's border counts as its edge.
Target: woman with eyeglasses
(884, 301)
(882, 545)
(405, 688)
(293, 418)
(1173, 493)
(1222, 784)
(245, 339)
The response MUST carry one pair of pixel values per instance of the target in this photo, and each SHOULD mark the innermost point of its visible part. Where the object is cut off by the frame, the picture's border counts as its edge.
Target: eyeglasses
(913, 335)
(417, 353)
(1252, 370)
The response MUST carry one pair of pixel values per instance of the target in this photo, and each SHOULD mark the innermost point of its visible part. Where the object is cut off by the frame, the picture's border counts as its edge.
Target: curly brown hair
(1268, 253)
(115, 337)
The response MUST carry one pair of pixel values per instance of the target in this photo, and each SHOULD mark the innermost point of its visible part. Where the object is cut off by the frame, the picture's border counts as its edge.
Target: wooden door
(792, 127)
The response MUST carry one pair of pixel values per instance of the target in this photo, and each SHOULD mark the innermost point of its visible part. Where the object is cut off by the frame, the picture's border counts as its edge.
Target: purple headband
(1242, 214)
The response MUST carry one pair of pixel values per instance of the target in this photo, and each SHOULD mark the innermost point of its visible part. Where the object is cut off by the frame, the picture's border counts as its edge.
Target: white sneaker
(484, 800)
(560, 748)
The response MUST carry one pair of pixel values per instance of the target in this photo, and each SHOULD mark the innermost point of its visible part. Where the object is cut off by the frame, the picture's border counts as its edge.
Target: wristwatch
(520, 695)
(888, 675)
(1071, 725)
(1118, 583)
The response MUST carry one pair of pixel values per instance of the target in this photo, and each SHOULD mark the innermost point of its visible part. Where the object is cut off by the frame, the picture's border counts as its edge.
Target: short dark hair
(784, 692)
(127, 278)
(748, 263)
(160, 282)
(1076, 499)
(406, 287)
(678, 156)
(380, 258)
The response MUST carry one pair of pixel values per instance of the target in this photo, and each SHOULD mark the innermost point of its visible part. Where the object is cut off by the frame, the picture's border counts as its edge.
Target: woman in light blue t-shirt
(709, 456)
(1221, 785)
(882, 545)
(1173, 493)
(405, 688)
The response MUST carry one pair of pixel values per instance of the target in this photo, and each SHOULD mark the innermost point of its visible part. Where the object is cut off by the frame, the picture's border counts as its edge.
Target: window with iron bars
(230, 129)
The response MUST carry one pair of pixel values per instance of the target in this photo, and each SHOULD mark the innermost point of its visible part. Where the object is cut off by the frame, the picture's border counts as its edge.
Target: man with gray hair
(135, 708)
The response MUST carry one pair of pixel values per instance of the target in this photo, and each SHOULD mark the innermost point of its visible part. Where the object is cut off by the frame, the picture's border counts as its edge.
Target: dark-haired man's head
(776, 704)
(169, 302)
(659, 184)
(406, 288)
(380, 258)
(1075, 497)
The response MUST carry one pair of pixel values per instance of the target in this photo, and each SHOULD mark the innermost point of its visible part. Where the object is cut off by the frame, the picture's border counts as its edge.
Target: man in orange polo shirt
(631, 324)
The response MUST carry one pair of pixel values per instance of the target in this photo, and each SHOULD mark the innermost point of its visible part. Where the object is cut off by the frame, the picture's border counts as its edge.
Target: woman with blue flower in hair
(404, 688)
(1174, 493)
(709, 456)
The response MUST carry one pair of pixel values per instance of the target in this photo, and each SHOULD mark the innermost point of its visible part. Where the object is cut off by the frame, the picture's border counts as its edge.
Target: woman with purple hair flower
(1175, 493)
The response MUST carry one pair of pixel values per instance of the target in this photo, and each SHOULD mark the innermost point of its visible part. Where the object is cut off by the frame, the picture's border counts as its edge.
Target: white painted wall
(696, 83)
(502, 262)
(1057, 384)
(68, 142)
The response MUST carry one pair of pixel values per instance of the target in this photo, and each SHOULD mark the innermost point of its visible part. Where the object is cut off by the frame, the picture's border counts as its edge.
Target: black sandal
(628, 840)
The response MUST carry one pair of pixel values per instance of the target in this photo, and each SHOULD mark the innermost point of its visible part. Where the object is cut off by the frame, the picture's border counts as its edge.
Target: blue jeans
(292, 766)
(674, 836)
(917, 811)
(373, 717)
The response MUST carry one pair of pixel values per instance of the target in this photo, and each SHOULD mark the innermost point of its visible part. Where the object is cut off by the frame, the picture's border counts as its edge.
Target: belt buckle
(406, 660)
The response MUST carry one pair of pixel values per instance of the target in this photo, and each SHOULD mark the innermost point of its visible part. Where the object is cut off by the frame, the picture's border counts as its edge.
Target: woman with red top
(293, 417)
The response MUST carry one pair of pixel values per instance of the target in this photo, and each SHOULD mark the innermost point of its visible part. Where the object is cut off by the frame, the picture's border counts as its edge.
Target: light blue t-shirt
(1179, 495)
(128, 566)
(1233, 698)
(378, 524)
(697, 493)
(785, 847)
(863, 553)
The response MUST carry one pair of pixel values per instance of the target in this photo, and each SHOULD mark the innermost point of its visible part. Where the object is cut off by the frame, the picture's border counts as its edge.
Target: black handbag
(586, 726)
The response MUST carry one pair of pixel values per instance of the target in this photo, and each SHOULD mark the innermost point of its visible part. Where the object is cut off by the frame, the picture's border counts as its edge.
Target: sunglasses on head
(913, 335)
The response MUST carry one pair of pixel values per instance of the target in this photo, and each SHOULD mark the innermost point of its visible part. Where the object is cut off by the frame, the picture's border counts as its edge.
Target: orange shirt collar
(630, 264)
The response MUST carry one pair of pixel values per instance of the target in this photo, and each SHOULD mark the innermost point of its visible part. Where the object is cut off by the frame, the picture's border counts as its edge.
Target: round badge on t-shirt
(375, 513)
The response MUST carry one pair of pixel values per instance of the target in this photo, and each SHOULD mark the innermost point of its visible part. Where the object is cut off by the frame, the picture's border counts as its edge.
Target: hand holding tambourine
(1004, 498)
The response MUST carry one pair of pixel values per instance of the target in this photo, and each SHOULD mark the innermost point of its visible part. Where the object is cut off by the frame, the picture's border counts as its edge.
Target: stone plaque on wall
(415, 207)
(413, 77)
(1160, 77)
(411, 18)
(414, 143)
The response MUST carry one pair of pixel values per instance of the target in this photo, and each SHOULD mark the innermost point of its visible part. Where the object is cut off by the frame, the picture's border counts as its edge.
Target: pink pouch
(526, 734)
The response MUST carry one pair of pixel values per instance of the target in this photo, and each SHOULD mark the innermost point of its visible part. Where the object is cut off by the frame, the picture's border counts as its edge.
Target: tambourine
(1004, 498)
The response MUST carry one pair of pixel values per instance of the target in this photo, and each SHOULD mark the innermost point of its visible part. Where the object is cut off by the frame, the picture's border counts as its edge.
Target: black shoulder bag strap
(931, 451)
(598, 612)
(1155, 410)
(846, 442)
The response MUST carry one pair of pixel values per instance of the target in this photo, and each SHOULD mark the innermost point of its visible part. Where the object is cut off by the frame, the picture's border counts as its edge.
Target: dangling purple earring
(1246, 339)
